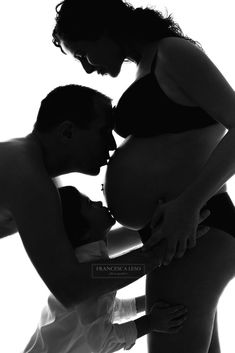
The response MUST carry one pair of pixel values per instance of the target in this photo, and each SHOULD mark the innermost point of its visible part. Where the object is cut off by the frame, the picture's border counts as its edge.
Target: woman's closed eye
(85, 63)
(79, 56)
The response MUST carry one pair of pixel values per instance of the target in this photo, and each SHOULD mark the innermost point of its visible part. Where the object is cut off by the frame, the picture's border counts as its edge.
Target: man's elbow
(69, 298)
(68, 293)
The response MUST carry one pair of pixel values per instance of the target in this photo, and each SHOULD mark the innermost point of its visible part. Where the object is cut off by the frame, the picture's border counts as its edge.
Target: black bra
(144, 110)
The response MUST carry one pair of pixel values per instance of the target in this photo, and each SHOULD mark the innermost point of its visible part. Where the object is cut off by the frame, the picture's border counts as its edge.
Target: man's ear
(65, 131)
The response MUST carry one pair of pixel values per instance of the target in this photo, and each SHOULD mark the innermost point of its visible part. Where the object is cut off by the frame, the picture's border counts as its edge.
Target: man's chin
(115, 73)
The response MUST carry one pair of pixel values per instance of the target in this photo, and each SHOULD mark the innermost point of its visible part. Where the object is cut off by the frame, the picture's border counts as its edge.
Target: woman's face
(103, 55)
(97, 216)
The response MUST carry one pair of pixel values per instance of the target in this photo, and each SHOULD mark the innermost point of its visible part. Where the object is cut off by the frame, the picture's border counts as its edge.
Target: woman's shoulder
(175, 51)
(179, 57)
(176, 45)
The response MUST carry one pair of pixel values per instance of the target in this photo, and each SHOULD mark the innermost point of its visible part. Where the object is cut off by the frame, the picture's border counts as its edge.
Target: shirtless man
(73, 133)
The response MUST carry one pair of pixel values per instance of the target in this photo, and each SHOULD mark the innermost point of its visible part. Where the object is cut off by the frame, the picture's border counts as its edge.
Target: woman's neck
(137, 51)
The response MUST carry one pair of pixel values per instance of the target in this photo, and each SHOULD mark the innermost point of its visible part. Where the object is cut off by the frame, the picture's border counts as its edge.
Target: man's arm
(140, 304)
(124, 309)
(122, 240)
(128, 308)
(35, 204)
(143, 325)
(103, 336)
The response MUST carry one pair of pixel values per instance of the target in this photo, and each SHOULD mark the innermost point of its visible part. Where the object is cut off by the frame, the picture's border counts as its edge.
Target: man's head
(85, 221)
(79, 121)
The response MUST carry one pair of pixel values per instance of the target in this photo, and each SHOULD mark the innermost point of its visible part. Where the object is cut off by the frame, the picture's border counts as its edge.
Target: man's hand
(179, 225)
(166, 318)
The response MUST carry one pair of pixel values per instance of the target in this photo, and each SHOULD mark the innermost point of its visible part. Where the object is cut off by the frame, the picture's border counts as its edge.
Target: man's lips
(105, 160)
(100, 71)
(111, 217)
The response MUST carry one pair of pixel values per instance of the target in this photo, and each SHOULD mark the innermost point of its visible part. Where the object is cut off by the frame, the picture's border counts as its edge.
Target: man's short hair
(71, 102)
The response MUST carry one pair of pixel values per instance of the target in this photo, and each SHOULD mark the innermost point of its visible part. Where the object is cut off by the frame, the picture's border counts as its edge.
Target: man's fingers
(203, 215)
(175, 329)
(162, 304)
(176, 308)
(179, 321)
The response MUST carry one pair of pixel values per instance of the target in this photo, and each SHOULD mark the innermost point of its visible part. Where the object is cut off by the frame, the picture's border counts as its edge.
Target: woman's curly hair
(90, 19)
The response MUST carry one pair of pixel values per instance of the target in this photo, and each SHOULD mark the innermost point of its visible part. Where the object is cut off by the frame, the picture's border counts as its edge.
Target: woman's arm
(201, 81)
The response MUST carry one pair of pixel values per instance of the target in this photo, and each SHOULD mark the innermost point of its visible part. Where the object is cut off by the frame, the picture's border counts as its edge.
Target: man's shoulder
(19, 155)
(20, 162)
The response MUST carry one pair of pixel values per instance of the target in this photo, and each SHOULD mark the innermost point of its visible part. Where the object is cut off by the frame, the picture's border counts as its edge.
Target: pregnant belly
(145, 170)
(129, 185)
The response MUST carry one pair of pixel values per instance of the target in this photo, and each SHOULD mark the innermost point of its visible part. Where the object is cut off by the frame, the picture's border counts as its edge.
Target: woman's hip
(199, 277)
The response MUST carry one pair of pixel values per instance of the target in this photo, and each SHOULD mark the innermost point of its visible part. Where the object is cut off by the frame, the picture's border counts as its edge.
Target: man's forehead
(104, 113)
(105, 121)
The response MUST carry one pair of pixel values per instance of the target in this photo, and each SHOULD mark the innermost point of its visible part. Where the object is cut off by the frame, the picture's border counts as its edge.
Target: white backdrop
(30, 67)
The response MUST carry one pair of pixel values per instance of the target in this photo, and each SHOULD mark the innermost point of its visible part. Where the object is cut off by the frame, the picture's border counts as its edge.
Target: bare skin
(30, 204)
(161, 168)
(184, 170)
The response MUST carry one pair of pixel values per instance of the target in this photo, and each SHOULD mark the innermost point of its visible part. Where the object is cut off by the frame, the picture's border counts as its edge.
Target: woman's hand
(178, 223)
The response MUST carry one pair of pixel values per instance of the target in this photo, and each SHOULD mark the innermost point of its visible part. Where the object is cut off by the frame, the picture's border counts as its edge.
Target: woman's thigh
(197, 281)
(214, 343)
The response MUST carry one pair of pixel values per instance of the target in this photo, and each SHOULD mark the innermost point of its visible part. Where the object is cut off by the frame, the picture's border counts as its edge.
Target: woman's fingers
(203, 215)
(202, 230)
(153, 240)
(170, 254)
(191, 242)
(157, 218)
(181, 248)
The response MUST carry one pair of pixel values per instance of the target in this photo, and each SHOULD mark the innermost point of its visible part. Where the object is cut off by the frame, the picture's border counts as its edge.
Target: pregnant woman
(176, 154)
